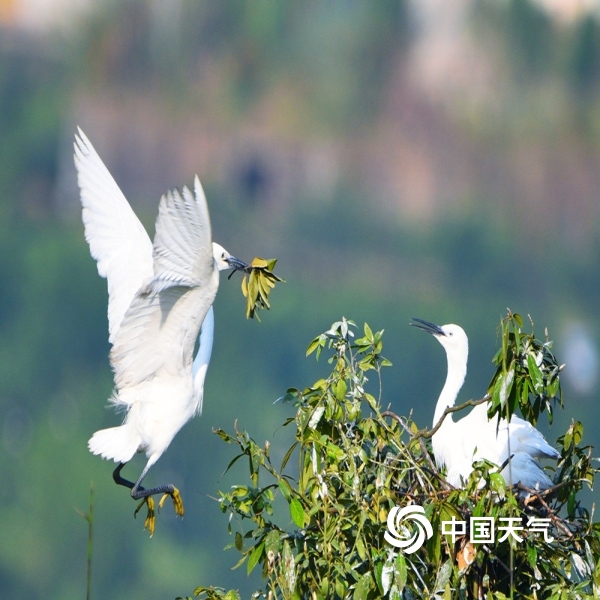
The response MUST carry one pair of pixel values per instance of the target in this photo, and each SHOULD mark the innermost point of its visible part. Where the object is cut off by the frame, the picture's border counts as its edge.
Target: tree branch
(393, 415)
(428, 433)
(448, 410)
(558, 522)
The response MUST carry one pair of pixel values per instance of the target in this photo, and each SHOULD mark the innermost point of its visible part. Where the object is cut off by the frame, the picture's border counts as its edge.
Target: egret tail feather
(116, 443)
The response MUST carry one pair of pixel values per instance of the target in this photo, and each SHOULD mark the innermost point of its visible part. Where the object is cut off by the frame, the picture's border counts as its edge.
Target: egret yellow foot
(177, 502)
(150, 521)
(151, 516)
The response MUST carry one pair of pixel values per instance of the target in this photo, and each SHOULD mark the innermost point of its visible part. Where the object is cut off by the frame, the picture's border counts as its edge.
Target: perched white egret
(160, 296)
(457, 444)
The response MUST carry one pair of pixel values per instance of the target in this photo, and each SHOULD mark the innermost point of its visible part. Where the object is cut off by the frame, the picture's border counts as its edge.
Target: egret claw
(150, 516)
(177, 502)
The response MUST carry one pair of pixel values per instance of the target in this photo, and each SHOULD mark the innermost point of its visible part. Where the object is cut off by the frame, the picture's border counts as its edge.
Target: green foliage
(213, 593)
(357, 462)
(526, 375)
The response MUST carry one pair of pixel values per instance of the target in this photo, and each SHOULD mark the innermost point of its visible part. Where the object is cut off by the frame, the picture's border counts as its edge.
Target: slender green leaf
(297, 512)
(254, 556)
(535, 374)
(287, 455)
(363, 587)
(401, 572)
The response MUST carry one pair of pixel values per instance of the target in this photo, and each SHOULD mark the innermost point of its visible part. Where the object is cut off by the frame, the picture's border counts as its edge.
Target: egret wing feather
(493, 441)
(160, 328)
(523, 468)
(158, 334)
(117, 239)
(524, 437)
(182, 251)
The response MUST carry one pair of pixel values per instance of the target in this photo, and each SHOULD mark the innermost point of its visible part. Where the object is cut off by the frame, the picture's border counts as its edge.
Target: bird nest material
(257, 284)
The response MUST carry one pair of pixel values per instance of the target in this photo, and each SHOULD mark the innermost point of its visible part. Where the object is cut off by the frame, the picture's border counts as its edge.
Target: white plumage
(160, 296)
(457, 444)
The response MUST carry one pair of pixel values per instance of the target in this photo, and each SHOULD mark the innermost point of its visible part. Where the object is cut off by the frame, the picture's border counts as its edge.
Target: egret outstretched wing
(159, 330)
(117, 239)
(182, 251)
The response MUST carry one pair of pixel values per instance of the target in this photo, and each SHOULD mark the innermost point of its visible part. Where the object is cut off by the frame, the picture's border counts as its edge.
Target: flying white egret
(160, 296)
(457, 444)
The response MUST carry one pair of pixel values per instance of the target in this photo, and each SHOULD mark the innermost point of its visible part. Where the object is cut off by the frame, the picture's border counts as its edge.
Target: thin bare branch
(428, 433)
(558, 522)
(425, 452)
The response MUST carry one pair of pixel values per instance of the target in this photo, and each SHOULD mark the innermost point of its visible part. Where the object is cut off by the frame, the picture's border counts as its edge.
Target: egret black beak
(431, 328)
(237, 265)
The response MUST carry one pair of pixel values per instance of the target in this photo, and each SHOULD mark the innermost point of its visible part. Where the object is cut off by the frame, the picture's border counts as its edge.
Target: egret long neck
(457, 371)
(200, 364)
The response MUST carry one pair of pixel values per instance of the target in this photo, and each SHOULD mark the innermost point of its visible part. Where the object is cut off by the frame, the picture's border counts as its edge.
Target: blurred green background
(399, 158)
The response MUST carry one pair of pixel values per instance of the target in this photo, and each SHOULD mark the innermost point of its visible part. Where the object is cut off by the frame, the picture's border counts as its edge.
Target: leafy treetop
(355, 462)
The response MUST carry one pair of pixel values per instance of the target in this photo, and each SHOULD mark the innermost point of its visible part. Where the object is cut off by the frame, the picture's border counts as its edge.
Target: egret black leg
(137, 491)
(121, 480)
